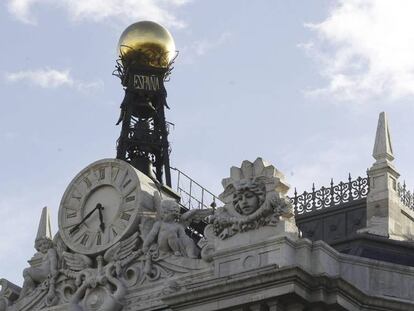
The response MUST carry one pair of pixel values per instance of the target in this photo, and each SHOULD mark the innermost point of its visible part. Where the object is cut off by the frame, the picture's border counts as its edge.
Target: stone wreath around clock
(100, 206)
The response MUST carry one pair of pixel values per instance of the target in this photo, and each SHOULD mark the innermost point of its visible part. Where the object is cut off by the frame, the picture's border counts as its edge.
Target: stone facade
(251, 256)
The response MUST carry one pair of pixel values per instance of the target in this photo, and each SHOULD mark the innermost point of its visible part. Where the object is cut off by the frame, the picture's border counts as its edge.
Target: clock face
(100, 206)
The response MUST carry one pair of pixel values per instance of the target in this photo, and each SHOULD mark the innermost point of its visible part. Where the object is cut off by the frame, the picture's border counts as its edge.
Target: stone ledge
(270, 283)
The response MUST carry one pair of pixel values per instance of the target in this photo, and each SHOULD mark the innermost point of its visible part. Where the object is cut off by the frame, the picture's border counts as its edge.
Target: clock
(103, 204)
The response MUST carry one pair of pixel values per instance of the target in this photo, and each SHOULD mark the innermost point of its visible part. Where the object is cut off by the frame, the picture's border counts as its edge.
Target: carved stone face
(247, 202)
(43, 245)
(170, 210)
(248, 197)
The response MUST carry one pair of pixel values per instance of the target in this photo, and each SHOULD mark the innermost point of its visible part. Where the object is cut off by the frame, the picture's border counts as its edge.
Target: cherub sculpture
(167, 234)
(44, 264)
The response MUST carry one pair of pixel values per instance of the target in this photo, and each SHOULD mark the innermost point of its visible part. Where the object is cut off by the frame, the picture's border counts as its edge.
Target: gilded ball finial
(147, 42)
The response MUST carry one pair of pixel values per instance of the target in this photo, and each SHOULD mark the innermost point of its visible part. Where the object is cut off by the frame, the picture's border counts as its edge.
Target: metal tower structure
(143, 67)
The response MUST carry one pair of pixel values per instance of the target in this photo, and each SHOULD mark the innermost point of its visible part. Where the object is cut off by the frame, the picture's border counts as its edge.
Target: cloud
(51, 78)
(365, 50)
(202, 47)
(21, 10)
(100, 10)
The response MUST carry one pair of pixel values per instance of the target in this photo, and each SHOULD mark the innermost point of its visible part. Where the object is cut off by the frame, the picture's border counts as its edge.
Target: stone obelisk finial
(383, 146)
(383, 202)
(45, 228)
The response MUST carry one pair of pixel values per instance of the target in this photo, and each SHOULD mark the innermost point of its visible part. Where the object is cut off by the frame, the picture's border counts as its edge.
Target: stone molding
(313, 272)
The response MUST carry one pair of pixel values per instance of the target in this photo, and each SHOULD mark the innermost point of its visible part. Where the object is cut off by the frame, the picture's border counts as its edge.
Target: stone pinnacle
(383, 146)
(45, 228)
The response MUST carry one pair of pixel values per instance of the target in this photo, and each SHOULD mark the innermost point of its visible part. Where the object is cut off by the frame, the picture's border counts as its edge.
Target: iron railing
(333, 195)
(406, 196)
(192, 194)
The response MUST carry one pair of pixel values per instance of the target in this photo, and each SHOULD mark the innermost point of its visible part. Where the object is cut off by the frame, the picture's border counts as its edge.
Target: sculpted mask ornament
(254, 196)
(248, 196)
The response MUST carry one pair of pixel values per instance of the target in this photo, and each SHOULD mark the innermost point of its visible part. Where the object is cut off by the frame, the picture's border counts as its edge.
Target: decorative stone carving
(254, 197)
(155, 254)
(44, 285)
(149, 270)
(167, 234)
(44, 264)
(100, 288)
(9, 293)
(166, 250)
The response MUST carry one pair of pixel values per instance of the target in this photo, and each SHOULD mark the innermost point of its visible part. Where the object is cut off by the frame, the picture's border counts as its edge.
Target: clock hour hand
(98, 206)
(102, 224)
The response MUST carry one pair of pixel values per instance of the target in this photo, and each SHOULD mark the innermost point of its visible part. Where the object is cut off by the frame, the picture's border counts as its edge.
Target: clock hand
(102, 224)
(98, 206)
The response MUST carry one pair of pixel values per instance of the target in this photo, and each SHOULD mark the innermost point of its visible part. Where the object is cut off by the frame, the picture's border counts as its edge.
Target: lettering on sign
(146, 83)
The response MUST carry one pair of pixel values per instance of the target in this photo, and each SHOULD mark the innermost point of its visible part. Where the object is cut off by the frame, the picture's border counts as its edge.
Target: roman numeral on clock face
(71, 214)
(127, 183)
(114, 173)
(114, 232)
(84, 239)
(87, 182)
(101, 173)
(77, 196)
(98, 239)
(75, 232)
(130, 198)
(125, 216)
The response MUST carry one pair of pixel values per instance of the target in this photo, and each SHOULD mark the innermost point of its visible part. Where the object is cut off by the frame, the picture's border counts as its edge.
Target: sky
(298, 83)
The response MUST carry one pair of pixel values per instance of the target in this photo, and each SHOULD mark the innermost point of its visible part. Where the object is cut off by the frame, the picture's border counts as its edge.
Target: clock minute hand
(98, 206)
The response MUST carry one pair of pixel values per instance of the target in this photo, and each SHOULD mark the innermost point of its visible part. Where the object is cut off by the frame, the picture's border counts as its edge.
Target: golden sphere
(150, 39)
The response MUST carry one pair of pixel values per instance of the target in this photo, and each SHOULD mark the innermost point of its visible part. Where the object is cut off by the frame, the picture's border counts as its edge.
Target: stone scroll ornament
(98, 285)
(254, 196)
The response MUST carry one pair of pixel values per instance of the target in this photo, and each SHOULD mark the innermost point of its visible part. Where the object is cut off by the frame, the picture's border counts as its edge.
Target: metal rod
(185, 175)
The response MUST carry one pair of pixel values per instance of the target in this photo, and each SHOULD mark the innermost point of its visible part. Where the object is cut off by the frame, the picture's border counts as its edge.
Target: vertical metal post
(178, 180)
(202, 197)
(191, 184)
(164, 141)
(122, 142)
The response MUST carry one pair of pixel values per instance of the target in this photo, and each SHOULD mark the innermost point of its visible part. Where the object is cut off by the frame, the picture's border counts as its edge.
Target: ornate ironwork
(333, 195)
(143, 140)
(144, 57)
(406, 196)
